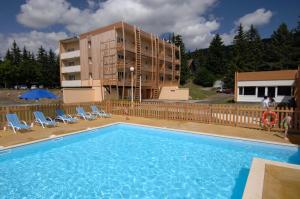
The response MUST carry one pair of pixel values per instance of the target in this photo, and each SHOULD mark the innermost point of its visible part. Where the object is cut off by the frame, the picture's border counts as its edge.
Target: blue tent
(37, 94)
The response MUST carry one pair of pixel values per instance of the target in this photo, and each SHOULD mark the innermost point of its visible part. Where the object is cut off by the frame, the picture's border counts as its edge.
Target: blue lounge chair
(60, 115)
(14, 122)
(85, 115)
(42, 120)
(100, 113)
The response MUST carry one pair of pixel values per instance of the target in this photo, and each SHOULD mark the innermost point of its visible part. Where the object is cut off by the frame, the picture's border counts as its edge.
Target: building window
(70, 49)
(284, 91)
(71, 63)
(120, 40)
(249, 90)
(271, 91)
(146, 47)
(261, 92)
(90, 60)
(120, 76)
(89, 44)
(161, 78)
(241, 90)
(121, 56)
(71, 77)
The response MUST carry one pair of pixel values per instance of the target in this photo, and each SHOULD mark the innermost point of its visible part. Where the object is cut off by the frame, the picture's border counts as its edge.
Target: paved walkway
(7, 137)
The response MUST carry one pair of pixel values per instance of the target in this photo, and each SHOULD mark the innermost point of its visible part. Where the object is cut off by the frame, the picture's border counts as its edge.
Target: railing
(70, 83)
(69, 55)
(228, 115)
(70, 69)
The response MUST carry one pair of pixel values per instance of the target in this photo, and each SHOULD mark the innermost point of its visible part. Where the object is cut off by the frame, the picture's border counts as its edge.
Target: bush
(204, 78)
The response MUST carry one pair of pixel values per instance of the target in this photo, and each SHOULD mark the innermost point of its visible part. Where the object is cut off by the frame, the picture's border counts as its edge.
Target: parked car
(219, 90)
(33, 87)
(227, 91)
(23, 87)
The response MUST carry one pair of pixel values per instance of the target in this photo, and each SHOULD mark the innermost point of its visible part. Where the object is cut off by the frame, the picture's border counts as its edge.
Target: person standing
(265, 102)
(272, 102)
(286, 123)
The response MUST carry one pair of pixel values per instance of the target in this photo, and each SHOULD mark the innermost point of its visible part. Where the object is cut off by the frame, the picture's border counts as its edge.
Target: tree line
(247, 53)
(22, 67)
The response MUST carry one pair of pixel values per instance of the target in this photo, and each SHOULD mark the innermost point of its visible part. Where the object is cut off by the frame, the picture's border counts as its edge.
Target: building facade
(253, 86)
(96, 65)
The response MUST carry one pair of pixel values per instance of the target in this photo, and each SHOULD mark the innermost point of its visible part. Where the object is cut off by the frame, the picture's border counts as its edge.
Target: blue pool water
(126, 161)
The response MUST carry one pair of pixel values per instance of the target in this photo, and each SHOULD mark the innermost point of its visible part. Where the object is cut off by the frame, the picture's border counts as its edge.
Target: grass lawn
(197, 92)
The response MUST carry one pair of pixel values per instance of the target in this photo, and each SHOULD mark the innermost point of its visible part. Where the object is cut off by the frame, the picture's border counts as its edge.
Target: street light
(131, 70)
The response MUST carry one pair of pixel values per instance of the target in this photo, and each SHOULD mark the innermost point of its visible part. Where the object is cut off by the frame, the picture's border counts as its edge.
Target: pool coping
(255, 182)
(53, 137)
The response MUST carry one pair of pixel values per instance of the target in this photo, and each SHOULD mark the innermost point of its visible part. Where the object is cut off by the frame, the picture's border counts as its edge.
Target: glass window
(284, 91)
(89, 44)
(71, 77)
(241, 90)
(271, 91)
(261, 92)
(249, 90)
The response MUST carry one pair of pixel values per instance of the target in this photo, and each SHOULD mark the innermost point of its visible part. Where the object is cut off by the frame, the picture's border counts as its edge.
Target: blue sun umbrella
(37, 94)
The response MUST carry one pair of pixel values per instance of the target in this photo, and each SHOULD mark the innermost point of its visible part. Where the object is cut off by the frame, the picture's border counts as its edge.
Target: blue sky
(43, 22)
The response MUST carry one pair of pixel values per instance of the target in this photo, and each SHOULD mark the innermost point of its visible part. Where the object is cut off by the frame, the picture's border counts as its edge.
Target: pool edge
(149, 126)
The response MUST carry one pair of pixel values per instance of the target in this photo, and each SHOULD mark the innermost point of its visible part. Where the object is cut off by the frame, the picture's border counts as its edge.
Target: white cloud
(190, 18)
(32, 40)
(257, 18)
(157, 16)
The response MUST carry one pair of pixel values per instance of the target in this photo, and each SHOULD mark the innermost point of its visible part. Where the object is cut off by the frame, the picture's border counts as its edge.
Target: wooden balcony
(176, 61)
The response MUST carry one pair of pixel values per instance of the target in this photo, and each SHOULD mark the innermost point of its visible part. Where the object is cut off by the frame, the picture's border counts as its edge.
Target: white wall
(266, 84)
(174, 93)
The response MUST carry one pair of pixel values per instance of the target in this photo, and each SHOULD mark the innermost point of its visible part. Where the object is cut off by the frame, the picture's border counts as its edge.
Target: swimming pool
(128, 161)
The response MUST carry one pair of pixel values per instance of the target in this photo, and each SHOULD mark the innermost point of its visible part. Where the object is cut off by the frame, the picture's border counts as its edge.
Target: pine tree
(281, 47)
(255, 48)
(240, 51)
(16, 54)
(296, 45)
(216, 59)
(42, 61)
(53, 69)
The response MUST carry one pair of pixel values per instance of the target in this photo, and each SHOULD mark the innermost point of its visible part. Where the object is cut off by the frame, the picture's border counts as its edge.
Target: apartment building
(96, 65)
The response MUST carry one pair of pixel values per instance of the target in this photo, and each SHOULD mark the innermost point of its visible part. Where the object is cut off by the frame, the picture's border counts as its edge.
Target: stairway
(138, 64)
(155, 93)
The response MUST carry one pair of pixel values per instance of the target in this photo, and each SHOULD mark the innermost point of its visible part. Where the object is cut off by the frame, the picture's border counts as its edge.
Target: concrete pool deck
(8, 138)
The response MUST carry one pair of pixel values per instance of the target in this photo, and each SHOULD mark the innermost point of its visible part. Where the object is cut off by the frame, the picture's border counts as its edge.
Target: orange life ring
(273, 118)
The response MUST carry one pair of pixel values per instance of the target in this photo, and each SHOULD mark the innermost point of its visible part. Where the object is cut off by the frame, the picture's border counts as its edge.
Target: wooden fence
(229, 115)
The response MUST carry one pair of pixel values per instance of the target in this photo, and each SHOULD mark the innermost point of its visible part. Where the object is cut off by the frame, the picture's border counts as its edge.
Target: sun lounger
(100, 113)
(42, 120)
(84, 115)
(65, 118)
(14, 122)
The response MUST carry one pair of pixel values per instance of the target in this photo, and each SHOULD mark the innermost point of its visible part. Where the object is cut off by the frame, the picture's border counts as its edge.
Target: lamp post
(131, 70)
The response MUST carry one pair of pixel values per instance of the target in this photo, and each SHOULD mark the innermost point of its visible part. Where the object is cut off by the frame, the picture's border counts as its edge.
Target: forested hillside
(23, 67)
(247, 53)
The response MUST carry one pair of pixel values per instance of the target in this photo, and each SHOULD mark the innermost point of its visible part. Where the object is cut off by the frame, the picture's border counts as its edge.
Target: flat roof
(70, 39)
(267, 75)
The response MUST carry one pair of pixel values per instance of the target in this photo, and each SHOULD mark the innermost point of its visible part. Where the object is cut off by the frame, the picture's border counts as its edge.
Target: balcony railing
(176, 61)
(71, 83)
(70, 69)
(69, 55)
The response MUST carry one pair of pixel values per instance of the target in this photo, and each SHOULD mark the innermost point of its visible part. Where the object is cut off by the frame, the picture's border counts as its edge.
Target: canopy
(37, 94)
